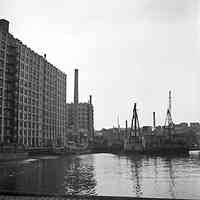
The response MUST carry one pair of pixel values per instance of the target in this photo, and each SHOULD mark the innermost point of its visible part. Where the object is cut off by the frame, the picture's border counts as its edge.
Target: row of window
(29, 93)
(28, 133)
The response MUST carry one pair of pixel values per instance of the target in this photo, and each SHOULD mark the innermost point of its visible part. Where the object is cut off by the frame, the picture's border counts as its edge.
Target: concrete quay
(20, 196)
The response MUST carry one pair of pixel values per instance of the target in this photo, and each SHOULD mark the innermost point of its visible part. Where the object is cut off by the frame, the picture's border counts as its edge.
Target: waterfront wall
(12, 156)
(11, 196)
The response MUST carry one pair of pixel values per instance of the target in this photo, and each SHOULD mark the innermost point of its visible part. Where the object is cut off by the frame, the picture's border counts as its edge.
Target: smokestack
(170, 102)
(90, 99)
(76, 101)
(154, 120)
(126, 128)
(76, 87)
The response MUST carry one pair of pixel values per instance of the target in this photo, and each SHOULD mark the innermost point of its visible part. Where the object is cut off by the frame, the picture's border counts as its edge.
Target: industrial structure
(80, 123)
(32, 95)
(148, 139)
(169, 125)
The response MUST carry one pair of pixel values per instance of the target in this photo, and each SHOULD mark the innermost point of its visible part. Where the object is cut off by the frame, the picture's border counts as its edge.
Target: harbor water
(105, 174)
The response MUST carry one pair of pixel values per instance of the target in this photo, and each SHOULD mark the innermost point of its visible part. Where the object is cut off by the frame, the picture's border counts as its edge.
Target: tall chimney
(90, 99)
(76, 101)
(126, 128)
(154, 120)
(76, 87)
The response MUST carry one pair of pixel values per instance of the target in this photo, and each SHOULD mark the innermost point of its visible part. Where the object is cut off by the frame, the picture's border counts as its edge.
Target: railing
(4, 195)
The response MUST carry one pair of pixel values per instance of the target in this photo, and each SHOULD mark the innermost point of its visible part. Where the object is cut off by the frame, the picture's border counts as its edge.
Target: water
(105, 174)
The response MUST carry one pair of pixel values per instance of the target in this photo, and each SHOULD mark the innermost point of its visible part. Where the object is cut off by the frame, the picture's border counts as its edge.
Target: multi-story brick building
(32, 95)
(85, 119)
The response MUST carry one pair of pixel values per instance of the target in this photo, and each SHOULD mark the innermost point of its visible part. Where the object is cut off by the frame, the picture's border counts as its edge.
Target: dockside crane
(135, 127)
(169, 125)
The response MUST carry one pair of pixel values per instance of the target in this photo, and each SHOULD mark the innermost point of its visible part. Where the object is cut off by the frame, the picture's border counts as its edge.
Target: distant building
(147, 130)
(114, 135)
(194, 124)
(182, 124)
(32, 95)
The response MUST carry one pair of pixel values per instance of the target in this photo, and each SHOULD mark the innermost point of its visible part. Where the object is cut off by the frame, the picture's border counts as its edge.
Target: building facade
(85, 121)
(32, 95)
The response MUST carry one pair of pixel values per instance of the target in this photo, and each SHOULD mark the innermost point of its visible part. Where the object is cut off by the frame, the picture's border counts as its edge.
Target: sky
(127, 51)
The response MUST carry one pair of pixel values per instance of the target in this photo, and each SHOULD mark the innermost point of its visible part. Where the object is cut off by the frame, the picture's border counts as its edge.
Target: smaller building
(85, 121)
(195, 126)
(147, 130)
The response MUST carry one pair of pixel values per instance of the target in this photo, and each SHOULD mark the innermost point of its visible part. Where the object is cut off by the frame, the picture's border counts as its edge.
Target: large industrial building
(32, 95)
(80, 122)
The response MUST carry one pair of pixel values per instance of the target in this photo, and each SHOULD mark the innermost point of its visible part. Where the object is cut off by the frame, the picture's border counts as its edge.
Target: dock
(36, 196)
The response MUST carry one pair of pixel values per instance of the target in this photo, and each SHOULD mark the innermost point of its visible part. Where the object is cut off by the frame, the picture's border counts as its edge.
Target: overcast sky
(126, 51)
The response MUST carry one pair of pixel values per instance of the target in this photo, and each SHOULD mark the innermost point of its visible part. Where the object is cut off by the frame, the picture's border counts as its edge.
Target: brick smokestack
(126, 129)
(76, 101)
(154, 120)
(76, 87)
(90, 99)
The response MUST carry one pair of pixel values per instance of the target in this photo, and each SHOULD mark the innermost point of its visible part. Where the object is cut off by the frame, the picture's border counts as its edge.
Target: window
(4, 36)
(1, 64)
(22, 66)
(3, 45)
(21, 115)
(21, 124)
(25, 108)
(1, 54)
(21, 98)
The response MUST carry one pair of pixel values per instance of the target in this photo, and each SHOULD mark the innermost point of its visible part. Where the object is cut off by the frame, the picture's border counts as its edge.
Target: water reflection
(79, 178)
(172, 186)
(105, 174)
(53, 176)
(136, 167)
